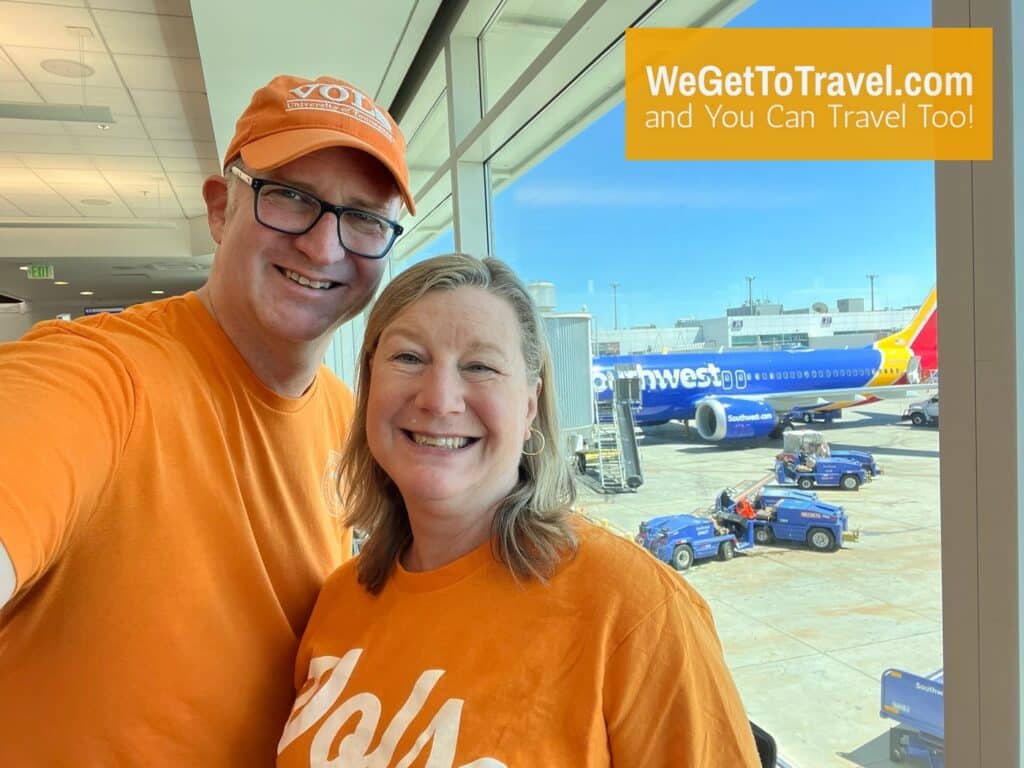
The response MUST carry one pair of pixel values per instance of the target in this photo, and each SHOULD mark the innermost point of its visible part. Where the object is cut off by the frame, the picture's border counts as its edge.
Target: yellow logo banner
(809, 94)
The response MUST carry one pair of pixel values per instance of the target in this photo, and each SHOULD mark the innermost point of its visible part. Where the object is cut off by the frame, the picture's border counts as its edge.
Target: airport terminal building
(769, 326)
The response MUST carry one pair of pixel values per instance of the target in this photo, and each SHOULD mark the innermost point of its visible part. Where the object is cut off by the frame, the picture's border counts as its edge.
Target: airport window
(425, 125)
(515, 36)
(563, 170)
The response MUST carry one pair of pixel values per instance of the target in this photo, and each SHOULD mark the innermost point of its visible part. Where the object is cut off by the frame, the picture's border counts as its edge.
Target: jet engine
(730, 418)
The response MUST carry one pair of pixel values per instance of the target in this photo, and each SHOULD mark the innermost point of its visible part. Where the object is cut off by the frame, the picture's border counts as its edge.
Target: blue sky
(680, 237)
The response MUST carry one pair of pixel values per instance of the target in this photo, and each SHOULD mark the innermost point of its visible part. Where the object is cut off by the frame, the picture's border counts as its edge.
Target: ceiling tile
(138, 185)
(21, 181)
(103, 145)
(43, 26)
(41, 127)
(72, 176)
(42, 205)
(115, 98)
(16, 174)
(7, 208)
(191, 198)
(42, 162)
(69, 3)
(116, 209)
(10, 161)
(125, 127)
(187, 179)
(29, 61)
(161, 73)
(27, 142)
(113, 164)
(204, 166)
(180, 106)
(170, 128)
(166, 148)
(7, 70)
(148, 34)
(15, 91)
(169, 7)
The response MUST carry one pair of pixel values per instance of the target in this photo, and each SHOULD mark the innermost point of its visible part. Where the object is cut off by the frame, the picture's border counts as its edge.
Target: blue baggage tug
(915, 703)
(807, 472)
(776, 514)
(812, 443)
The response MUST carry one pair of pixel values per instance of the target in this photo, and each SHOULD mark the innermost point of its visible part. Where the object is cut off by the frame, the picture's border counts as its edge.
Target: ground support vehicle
(782, 514)
(924, 413)
(915, 703)
(814, 444)
(679, 540)
(809, 415)
(807, 472)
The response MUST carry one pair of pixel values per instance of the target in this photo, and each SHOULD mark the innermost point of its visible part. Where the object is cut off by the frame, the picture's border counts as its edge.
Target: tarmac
(807, 635)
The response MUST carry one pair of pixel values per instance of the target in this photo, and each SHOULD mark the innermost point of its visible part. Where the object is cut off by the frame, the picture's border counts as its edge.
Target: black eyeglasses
(294, 212)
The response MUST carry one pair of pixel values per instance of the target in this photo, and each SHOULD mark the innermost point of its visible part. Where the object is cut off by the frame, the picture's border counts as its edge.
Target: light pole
(615, 306)
(872, 279)
(750, 293)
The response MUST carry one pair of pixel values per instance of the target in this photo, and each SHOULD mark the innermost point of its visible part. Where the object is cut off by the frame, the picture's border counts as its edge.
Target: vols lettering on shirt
(329, 676)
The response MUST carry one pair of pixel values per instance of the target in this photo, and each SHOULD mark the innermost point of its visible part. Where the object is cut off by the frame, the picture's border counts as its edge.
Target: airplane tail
(920, 338)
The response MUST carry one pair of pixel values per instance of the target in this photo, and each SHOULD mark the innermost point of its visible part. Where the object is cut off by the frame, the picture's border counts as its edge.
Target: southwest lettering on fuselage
(701, 377)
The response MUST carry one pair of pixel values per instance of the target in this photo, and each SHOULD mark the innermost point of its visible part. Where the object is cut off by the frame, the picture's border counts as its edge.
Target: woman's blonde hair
(531, 532)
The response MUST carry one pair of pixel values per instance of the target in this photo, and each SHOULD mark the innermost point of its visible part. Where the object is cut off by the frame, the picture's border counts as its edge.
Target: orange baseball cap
(292, 116)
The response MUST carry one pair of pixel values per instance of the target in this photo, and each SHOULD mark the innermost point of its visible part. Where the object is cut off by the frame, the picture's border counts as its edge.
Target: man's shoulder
(155, 335)
(150, 321)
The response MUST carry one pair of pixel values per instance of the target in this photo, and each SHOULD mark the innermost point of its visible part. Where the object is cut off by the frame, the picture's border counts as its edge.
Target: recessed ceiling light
(103, 126)
(86, 293)
(67, 68)
(157, 293)
(23, 267)
(94, 201)
(61, 282)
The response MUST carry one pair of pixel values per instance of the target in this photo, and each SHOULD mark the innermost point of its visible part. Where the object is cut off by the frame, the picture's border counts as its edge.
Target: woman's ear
(531, 406)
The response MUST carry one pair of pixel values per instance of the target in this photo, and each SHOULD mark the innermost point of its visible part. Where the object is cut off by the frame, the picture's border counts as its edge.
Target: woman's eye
(479, 368)
(405, 357)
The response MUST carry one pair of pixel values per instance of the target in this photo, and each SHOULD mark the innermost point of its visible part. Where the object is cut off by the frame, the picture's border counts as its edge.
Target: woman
(483, 624)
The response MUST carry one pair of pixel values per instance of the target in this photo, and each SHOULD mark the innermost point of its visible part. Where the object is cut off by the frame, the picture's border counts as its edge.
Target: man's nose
(440, 391)
(321, 244)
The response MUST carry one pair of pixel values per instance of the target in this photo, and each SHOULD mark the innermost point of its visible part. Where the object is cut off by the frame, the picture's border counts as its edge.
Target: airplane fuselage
(672, 385)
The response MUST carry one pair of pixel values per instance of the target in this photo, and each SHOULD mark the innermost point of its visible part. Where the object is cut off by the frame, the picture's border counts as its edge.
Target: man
(165, 473)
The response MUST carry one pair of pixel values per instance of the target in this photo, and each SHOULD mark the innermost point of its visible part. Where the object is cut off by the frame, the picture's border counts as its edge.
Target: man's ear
(215, 193)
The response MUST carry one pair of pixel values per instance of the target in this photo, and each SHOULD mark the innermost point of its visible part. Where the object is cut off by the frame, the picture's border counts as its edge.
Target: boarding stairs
(618, 456)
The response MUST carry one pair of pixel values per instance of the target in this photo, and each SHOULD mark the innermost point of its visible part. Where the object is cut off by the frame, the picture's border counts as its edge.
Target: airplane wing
(787, 401)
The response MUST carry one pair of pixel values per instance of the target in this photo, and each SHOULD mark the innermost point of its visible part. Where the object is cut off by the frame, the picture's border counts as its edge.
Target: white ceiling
(151, 161)
(89, 200)
(176, 76)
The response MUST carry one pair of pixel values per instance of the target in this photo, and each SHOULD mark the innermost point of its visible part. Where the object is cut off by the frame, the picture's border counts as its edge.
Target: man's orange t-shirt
(614, 662)
(165, 514)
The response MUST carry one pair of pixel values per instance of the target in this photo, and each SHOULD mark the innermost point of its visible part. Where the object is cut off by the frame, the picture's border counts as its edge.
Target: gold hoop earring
(543, 442)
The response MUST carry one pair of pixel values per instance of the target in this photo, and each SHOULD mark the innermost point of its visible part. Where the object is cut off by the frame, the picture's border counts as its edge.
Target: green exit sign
(40, 272)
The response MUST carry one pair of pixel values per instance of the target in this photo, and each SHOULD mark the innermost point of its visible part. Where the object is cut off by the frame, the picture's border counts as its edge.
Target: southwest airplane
(742, 394)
